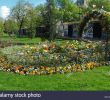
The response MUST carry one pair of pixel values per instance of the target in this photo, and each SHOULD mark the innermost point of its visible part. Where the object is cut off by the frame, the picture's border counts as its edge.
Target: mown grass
(25, 40)
(92, 80)
(20, 40)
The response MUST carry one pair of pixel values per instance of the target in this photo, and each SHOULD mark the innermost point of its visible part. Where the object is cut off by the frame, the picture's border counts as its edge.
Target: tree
(1, 26)
(51, 19)
(31, 21)
(10, 26)
(19, 13)
(100, 3)
(69, 11)
(40, 14)
(58, 10)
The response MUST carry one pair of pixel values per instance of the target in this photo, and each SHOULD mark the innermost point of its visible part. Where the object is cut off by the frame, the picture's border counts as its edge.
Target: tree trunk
(20, 27)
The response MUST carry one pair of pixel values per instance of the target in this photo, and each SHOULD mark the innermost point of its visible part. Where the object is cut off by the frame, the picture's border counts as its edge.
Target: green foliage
(40, 12)
(30, 22)
(51, 18)
(1, 27)
(10, 26)
(69, 11)
(47, 15)
(19, 13)
(100, 3)
(59, 10)
(56, 54)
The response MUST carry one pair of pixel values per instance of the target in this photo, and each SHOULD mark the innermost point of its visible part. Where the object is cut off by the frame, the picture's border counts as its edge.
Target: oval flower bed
(51, 58)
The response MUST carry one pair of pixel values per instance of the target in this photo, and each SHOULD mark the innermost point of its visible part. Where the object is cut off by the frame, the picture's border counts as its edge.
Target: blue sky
(6, 5)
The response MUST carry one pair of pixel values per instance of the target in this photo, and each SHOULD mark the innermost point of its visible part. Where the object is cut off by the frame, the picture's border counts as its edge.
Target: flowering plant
(51, 58)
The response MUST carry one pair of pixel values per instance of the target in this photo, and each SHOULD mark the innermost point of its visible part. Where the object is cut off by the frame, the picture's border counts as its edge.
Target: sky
(6, 5)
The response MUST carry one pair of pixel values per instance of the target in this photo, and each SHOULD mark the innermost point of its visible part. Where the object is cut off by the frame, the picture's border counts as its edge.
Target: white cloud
(5, 11)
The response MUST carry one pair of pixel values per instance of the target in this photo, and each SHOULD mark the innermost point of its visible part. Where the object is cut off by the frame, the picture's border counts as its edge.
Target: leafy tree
(51, 19)
(58, 10)
(10, 26)
(40, 14)
(1, 26)
(30, 23)
(19, 12)
(69, 11)
(99, 4)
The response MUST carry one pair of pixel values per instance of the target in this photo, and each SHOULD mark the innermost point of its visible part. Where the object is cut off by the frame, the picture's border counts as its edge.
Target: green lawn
(96, 79)
(20, 40)
(6, 38)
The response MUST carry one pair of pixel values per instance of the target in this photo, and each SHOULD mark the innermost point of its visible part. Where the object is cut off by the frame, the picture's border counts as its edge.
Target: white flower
(20, 53)
(45, 46)
(17, 71)
(69, 67)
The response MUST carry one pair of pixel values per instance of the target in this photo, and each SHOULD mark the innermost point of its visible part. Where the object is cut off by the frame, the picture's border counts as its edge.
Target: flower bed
(51, 58)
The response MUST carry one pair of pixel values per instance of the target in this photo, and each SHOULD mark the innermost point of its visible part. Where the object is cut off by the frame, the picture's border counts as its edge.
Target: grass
(91, 80)
(20, 40)
(24, 40)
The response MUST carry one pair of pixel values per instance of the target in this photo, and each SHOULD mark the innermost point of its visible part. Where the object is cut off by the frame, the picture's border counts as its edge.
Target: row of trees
(24, 15)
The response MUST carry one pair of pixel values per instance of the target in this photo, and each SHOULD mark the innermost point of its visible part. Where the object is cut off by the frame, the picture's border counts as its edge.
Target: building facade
(83, 3)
